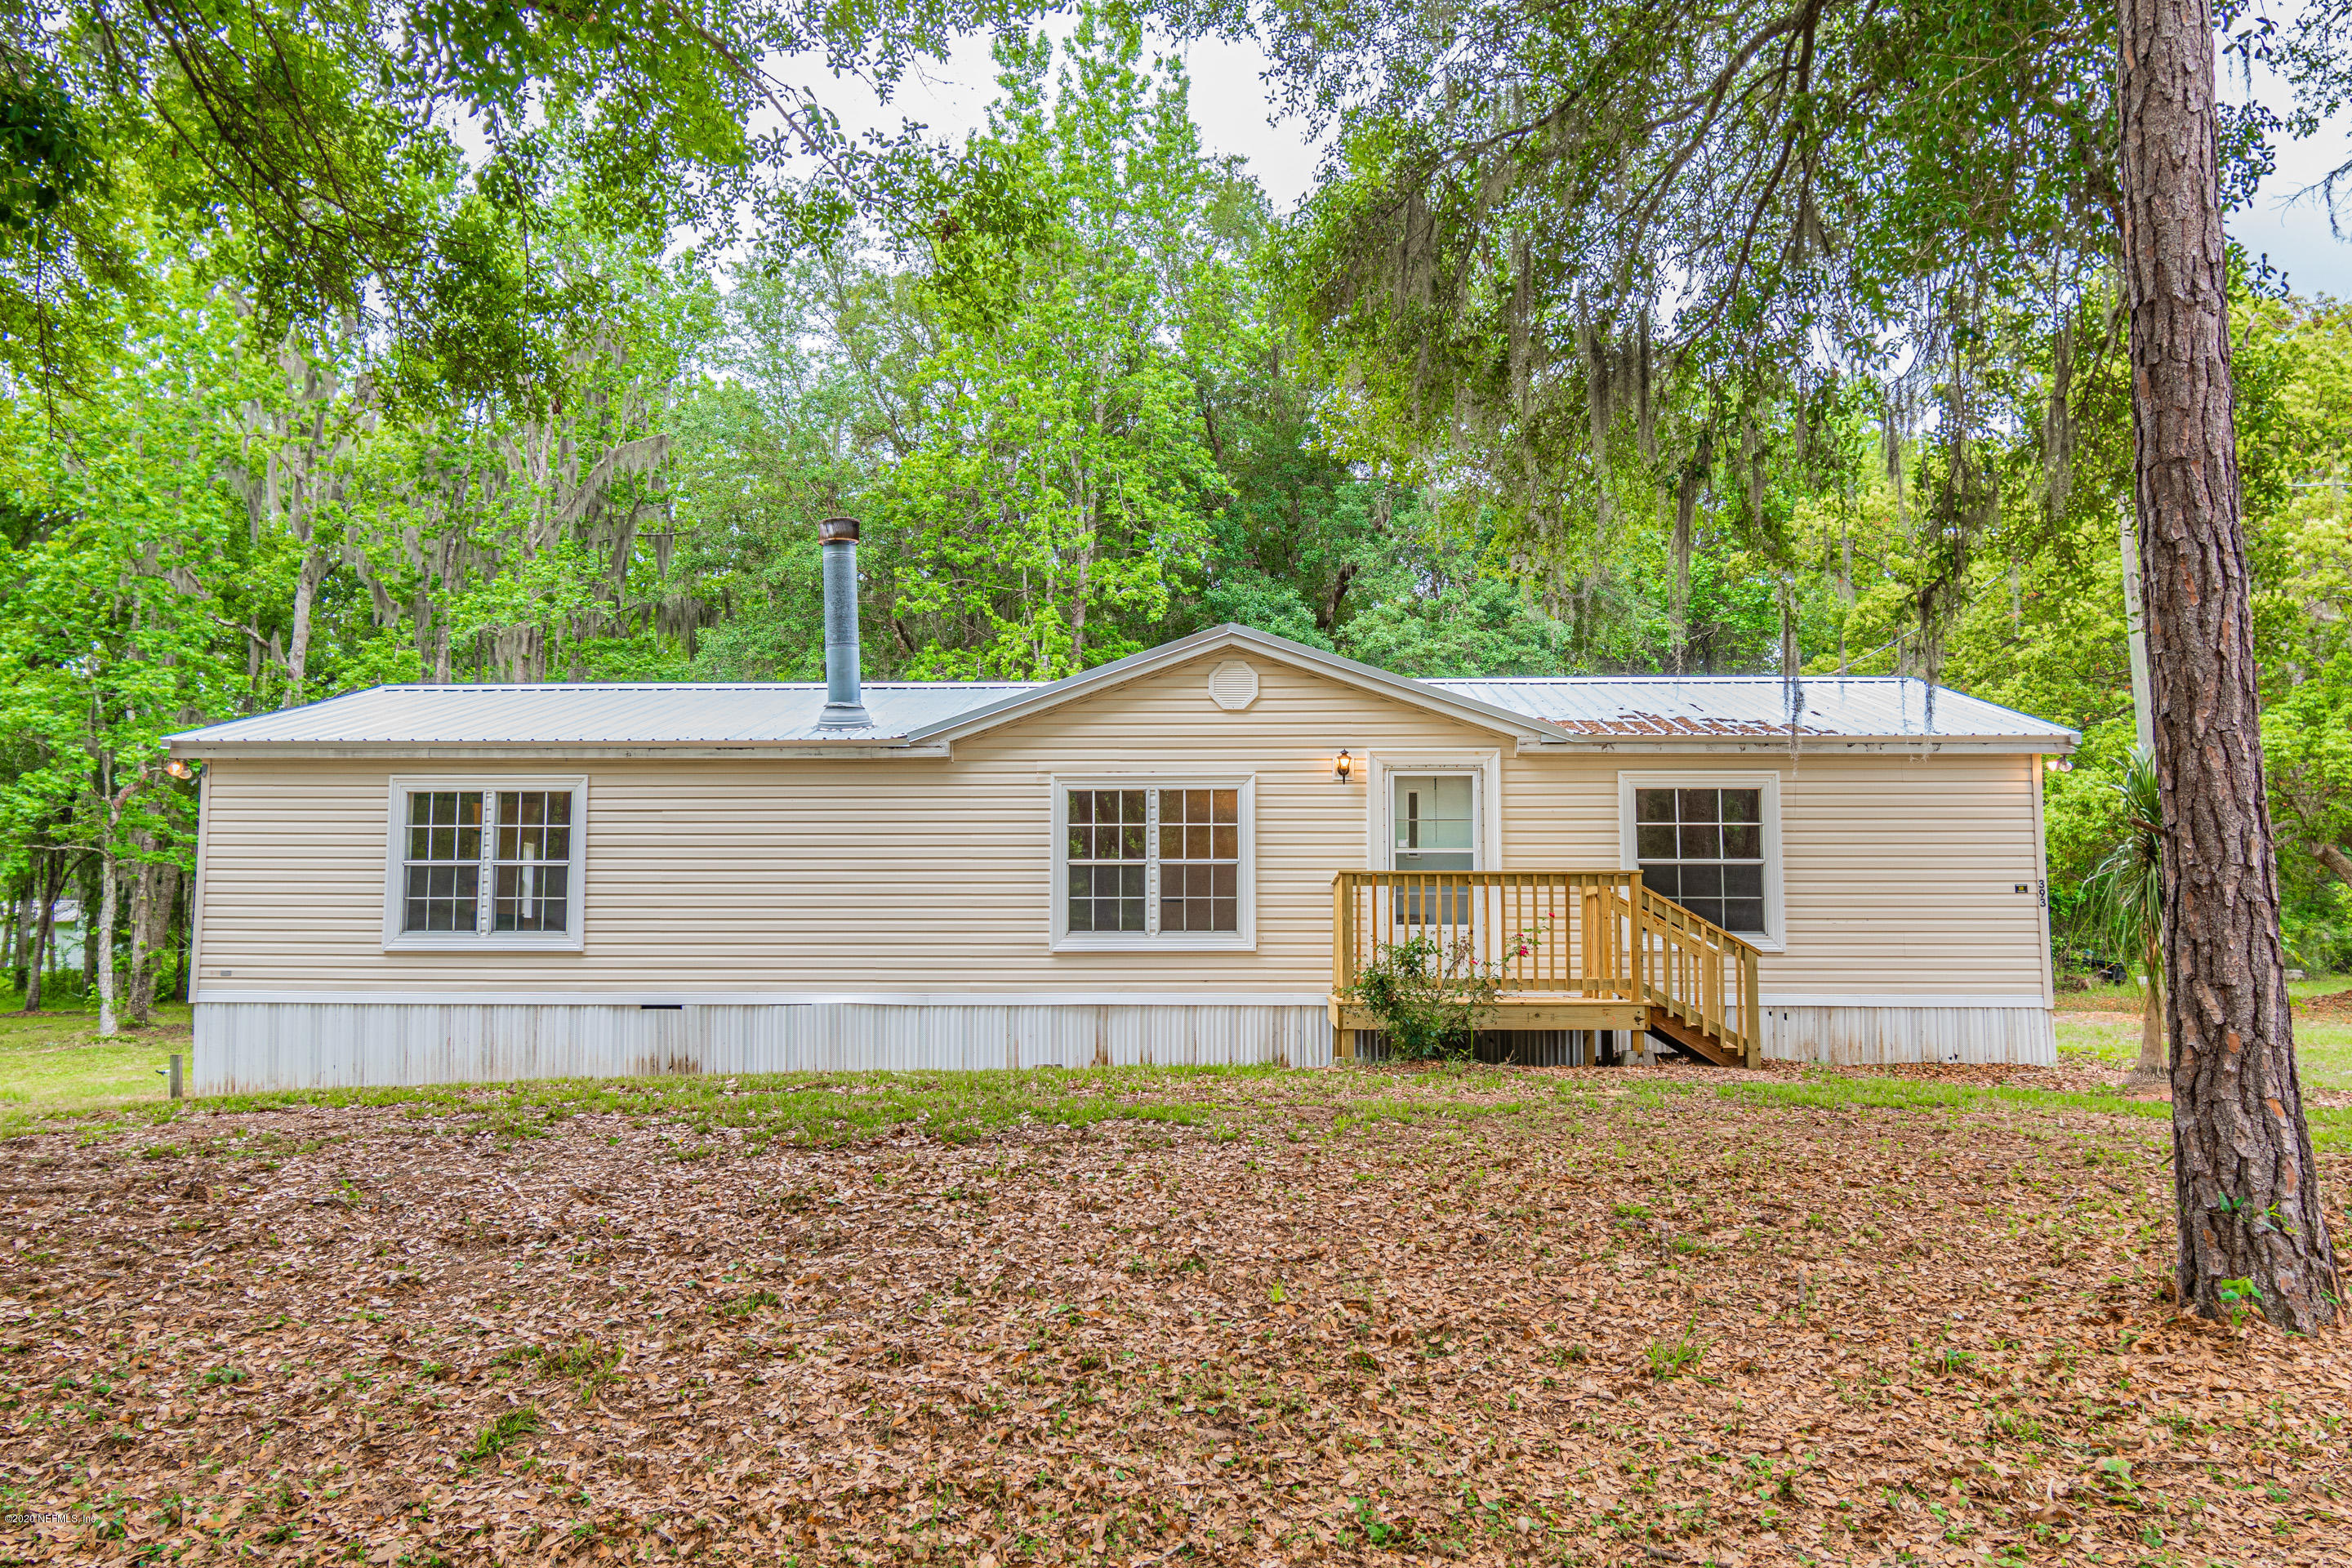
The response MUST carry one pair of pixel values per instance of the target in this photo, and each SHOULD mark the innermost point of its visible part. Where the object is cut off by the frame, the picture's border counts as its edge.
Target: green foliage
(1429, 995)
(2123, 898)
(503, 1432)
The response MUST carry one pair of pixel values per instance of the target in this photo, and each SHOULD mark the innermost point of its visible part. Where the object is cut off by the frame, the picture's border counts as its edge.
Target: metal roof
(1755, 707)
(664, 714)
(780, 716)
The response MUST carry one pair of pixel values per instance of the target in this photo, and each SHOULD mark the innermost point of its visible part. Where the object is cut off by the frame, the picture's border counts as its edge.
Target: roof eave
(550, 750)
(2040, 745)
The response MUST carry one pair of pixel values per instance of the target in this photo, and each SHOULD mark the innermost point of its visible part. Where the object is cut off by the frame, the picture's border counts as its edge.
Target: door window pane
(1434, 816)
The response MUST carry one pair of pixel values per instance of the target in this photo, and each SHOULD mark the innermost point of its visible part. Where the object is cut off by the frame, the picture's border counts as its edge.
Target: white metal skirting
(282, 1045)
(242, 1046)
(1872, 1037)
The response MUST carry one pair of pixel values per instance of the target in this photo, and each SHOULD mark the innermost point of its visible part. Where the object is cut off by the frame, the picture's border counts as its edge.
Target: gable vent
(1232, 685)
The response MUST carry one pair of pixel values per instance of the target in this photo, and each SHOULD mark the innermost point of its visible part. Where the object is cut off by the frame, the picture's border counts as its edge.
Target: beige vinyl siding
(935, 876)
(1899, 872)
(855, 877)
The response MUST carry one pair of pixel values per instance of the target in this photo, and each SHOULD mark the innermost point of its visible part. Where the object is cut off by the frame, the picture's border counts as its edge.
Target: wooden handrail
(1584, 934)
(1696, 971)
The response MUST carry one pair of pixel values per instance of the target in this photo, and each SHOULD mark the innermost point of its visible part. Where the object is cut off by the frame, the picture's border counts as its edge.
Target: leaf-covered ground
(1499, 1316)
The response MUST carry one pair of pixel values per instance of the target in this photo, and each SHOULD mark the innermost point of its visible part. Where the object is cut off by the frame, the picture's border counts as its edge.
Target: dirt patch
(2335, 1005)
(1662, 1327)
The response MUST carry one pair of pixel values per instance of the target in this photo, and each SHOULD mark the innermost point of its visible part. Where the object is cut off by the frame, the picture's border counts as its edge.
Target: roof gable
(1464, 708)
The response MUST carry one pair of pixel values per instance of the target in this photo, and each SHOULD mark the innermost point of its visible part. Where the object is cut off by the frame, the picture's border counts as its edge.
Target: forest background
(1088, 390)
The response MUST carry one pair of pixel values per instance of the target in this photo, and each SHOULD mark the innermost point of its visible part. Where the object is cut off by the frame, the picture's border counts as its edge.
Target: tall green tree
(1064, 480)
(110, 641)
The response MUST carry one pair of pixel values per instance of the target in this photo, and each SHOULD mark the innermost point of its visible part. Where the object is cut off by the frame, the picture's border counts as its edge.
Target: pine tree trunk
(2245, 1185)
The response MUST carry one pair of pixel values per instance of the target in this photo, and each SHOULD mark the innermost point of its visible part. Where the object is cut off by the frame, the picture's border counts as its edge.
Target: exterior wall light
(1343, 767)
(179, 770)
(2058, 764)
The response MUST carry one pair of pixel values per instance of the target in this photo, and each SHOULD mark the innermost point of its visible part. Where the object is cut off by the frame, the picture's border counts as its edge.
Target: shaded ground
(1498, 1315)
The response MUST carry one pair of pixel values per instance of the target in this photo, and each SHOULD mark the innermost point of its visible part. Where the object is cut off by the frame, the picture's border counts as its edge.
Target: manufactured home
(1185, 857)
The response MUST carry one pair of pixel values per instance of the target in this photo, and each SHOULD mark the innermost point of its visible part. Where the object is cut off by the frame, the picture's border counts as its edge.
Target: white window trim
(1151, 939)
(1379, 807)
(1774, 937)
(396, 853)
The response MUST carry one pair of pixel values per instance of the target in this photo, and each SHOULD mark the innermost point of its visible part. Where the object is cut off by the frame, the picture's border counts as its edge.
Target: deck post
(1751, 1017)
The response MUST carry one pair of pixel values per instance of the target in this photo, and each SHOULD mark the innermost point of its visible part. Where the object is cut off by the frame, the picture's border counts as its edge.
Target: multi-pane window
(1153, 861)
(1199, 859)
(534, 859)
(523, 854)
(444, 866)
(1704, 848)
(1111, 838)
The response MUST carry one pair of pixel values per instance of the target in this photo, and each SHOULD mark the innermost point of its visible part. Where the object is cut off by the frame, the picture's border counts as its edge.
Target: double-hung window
(1709, 844)
(484, 862)
(1152, 862)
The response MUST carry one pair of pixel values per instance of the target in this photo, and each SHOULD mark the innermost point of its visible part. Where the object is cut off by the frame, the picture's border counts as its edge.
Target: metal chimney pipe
(843, 708)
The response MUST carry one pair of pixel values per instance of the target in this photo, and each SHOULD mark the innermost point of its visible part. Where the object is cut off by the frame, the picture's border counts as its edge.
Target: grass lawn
(54, 1061)
(1365, 1316)
(2101, 1027)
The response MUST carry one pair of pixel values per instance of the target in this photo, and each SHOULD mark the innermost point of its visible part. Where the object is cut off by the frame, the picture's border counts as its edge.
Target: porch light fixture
(1343, 767)
(2058, 764)
(179, 770)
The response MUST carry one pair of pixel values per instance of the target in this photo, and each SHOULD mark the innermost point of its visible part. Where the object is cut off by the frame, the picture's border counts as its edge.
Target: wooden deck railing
(1556, 935)
(1695, 971)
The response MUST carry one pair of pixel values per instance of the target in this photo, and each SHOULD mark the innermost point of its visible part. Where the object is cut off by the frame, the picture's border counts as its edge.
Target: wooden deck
(1566, 950)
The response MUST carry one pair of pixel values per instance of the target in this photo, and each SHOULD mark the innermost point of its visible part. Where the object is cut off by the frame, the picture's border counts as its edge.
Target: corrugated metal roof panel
(1729, 706)
(663, 714)
(1668, 707)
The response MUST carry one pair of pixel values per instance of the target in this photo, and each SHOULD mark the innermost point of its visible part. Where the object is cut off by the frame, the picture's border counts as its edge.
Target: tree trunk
(107, 911)
(2150, 1066)
(44, 928)
(20, 925)
(184, 898)
(2245, 1185)
(305, 596)
(149, 902)
(86, 886)
(1679, 603)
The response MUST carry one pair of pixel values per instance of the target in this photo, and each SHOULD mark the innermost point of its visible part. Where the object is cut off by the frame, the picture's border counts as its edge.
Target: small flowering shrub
(1428, 995)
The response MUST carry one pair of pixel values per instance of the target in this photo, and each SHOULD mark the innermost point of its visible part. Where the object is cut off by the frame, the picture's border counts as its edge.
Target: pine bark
(2245, 1185)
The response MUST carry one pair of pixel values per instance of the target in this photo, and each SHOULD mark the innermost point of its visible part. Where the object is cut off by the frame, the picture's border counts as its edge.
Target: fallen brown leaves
(1637, 1323)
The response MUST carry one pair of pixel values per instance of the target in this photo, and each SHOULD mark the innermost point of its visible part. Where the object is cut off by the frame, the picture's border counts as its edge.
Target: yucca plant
(2124, 897)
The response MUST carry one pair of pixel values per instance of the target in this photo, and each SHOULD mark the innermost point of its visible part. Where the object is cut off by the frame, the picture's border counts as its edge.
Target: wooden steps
(1692, 1038)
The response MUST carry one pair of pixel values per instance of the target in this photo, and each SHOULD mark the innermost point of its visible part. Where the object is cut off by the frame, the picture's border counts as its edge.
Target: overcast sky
(1237, 113)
